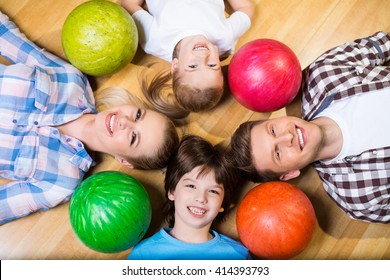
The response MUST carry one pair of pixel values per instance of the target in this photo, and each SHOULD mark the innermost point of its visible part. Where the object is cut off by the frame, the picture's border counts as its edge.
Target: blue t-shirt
(162, 246)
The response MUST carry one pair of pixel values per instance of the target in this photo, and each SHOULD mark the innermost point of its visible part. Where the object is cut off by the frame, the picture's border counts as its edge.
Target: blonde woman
(49, 127)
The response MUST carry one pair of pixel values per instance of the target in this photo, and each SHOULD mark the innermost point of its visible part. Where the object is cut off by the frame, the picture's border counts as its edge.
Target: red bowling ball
(264, 75)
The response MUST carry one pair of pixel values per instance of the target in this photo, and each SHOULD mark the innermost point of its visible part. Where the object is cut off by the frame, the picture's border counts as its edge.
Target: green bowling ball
(110, 211)
(99, 37)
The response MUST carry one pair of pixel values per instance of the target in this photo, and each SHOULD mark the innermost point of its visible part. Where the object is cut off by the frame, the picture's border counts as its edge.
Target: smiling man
(342, 133)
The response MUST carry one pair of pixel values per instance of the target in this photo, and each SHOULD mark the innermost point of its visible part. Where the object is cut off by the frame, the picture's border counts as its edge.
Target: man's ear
(290, 175)
(124, 162)
(174, 65)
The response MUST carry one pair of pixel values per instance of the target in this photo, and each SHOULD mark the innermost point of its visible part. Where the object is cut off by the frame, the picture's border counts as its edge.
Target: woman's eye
(190, 186)
(212, 65)
(138, 115)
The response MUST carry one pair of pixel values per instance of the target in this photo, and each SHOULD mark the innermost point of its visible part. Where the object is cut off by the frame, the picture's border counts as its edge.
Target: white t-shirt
(169, 21)
(364, 121)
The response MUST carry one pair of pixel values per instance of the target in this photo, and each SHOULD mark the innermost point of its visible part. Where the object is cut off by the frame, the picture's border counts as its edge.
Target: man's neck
(332, 138)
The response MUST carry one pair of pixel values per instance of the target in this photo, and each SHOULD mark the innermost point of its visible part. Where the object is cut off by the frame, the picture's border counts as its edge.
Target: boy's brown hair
(194, 152)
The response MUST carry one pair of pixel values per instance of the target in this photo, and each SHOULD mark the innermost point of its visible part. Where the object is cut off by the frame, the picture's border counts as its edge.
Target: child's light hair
(168, 95)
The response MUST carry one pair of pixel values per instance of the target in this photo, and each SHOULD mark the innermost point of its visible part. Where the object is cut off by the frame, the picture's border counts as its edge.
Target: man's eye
(277, 153)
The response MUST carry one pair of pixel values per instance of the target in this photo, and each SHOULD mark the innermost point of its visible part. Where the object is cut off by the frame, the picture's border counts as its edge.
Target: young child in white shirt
(194, 36)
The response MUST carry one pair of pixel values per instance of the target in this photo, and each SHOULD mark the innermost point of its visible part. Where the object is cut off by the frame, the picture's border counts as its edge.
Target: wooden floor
(309, 27)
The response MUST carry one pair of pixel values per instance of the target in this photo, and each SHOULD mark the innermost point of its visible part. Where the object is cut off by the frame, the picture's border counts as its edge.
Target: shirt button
(374, 152)
(14, 121)
(36, 123)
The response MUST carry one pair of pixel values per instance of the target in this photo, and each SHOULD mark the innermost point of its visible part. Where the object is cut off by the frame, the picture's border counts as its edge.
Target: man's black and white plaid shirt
(359, 184)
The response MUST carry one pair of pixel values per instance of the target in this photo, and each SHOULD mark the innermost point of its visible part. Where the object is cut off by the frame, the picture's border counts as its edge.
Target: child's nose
(203, 54)
(201, 197)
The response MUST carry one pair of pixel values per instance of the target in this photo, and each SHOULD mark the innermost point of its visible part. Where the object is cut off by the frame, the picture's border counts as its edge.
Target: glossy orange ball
(275, 220)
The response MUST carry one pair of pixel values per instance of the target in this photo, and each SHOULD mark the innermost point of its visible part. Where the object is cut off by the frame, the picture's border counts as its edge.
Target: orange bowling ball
(275, 220)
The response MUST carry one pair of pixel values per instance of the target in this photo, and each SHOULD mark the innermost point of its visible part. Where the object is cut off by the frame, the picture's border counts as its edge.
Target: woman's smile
(110, 123)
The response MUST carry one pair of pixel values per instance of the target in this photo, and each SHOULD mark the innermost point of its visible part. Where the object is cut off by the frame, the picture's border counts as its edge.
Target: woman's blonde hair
(115, 96)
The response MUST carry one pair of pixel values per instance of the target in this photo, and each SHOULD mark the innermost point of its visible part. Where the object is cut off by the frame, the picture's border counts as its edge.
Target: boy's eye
(192, 66)
(214, 192)
(273, 131)
(190, 186)
(212, 65)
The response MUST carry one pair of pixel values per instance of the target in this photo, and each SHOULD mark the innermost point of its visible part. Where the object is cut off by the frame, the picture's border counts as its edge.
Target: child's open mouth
(197, 211)
(200, 46)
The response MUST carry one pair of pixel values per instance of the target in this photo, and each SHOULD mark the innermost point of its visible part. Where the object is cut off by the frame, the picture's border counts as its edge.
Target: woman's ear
(124, 162)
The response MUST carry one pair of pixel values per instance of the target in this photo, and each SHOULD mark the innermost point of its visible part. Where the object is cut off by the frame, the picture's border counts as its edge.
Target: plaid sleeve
(336, 73)
(19, 199)
(358, 197)
(16, 48)
(360, 184)
(381, 42)
(373, 50)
